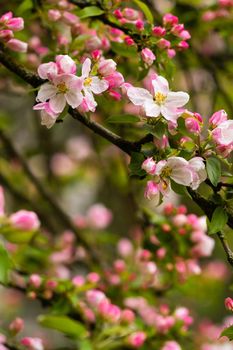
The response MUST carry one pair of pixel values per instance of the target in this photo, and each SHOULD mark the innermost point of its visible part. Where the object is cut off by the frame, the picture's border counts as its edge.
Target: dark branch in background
(60, 214)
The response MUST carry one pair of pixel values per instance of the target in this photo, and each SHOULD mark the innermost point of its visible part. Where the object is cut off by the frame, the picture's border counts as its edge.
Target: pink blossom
(48, 117)
(130, 13)
(139, 24)
(152, 191)
(125, 247)
(229, 304)
(171, 345)
(129, 41)
(114, 80)
(98, 216)
(64, 88)
(35, 281)
(169, 19)
(164, 44)
(2, 202)
(176, 168)
(17, 45)
(223, 133)
(192, 125)
(25, 220)
(199, 174)
(78, 281)
(109, 311)
(65, 64)
(218, 118)
(6, 35)
(136, 339)
(95, 297)
(12, 23)
(159, 31)
(147, 56)
(183, 45)
(93, 277)
(160, 101)
(149, 166)
(171, 53)
(107, 67)
(17, 325)
(204, 247)
(54, 15)
(32, 343)
(127, 316)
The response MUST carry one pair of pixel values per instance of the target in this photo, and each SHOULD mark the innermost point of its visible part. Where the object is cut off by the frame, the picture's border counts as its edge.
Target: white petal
(174, 162)
(151, 109)
(57, 103)
(47, 120)
(89, 98)
(98, 85)
(74, 98)
(176, 99)
(171, 114)
(86, 68)
(46, 91)
(138, 96)
(47, 70)
(160, 84)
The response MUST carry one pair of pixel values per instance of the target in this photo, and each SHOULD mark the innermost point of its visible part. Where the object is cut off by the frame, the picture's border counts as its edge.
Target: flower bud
(159, 31)
(171, 345)
(17, 325)
(169, 19)
(130, 14)
(139, 24)
(127, 316)
(107, 67)
(16, 24)
(192, 125)
(35, 281)
(32, 343)
(229, 304)
(129, 41)
(136, 339)
(152, 190)
(183, 45)
(149, 166)
(163, 44)
(17, 45)
(218, 118)
(25, 220)
(6, 34)
(147, 56)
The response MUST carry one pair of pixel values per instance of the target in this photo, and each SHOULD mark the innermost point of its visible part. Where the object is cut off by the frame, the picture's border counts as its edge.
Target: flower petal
(74, 98)
(47, 119)
(160, 84)
(98, 86)
(138, 96)
(47, 70)
(176, 99)
(151, 109)
(86, 68)
(171, 114)
(57, 103)
(90, 101)
(46, 92)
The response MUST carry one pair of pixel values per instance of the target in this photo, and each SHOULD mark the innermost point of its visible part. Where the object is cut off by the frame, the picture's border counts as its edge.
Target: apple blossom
(229, 304)
(17, 45)
(199, 174)
(218, 118)
(32, 343)
(223, 133)
(171, 345)
(25, 220)
(147, 56)
(161, 101)
(137, 339)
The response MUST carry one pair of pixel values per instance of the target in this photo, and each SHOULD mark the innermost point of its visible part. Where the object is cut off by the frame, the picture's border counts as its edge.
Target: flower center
(159, 98)
(62, 88)
(166, 172)
(87, 81)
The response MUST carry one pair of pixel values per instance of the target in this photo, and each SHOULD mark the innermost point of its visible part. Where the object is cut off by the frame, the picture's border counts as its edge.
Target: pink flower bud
(115, 95)
(107, 67)
(159, 31)
(96, 54)
(16, 24)
(218, 118)
(6, 17)
(32, 343)
(161, 253)
(171, 53)
(130, 14)
(6, 35)
(169, 19)
(127, 316)
(78, 281)
(65, 64)
(94, 297)
(149, 166)
(171, 345)
(152, 190)
(208, 16)
(118, 14)
(54, 15)
(35, 281)
(192, 125)
(2, 202)
(183, 45)
(136, 339)
(129, 41)
(139, 24)
(114, 80)
(93, 277)
(109, 311)
(17, 325)
(177, 29)
(162, 143)
(17, 45)
(119, 265)
(25, 220)
(69, 18)
(184, 35)
(94, 43)
(229, 304)
(99, 217)
(125, 247)
(163, 44)
(147, 56)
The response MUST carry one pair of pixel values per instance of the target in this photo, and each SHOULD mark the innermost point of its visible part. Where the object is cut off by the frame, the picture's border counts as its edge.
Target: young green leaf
(218, 220)
(136, 164)
(63, 324)
(213, 167)
(123, 119)
(227, 332)
(145, 9)
(5, 264)
(91, 11)
(123, 50)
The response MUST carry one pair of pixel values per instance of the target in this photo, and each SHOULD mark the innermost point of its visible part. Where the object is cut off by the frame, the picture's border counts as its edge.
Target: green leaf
(25, 6)
(136, 164)
(85, 345)
(218, 220)
(213, 167)
(227, 332)
(19, 237)
(123, 119)
(179, 189)
(124, 50)
(63, 324)
(145, 9)
(91, 11)
(5, 264)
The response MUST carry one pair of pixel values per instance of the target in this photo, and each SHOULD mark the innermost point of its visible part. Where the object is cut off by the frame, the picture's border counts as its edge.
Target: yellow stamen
(62, 88)
(87, 81)
(166, 172)
(159, 98)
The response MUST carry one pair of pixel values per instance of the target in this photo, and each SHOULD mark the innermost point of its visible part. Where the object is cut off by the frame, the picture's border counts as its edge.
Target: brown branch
(226, 247)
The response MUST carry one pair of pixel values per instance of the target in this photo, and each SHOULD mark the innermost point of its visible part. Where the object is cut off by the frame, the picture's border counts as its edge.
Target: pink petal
(138, 96)
(46, 92)
(98, 86)
(66, 64)
(171, 114)
(47, 70)
(160, 84)
(90, 101)
(86, 68)
(176, 99)
(57, 103)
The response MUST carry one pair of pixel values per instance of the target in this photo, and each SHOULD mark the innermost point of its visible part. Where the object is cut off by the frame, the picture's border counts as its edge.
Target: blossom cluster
(64, 87)
(223, 10)
(9, 25)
